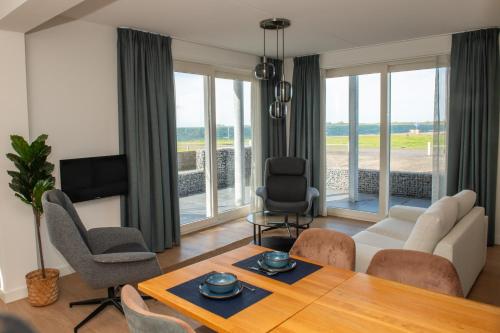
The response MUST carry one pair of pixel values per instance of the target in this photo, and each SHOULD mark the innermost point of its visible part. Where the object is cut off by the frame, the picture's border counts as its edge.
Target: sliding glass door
(353, 142)
(233, 135)
(214, 147)
(417, 136)
(385, 135)
(191, 95)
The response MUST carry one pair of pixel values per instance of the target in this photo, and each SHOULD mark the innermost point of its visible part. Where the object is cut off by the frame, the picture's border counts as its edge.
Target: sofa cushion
(433, 225)
(466, 200)
(378, 240)
(394, 228)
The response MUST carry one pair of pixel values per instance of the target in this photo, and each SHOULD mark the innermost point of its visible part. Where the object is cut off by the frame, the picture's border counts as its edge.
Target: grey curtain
(474, 116)
(305, 117)
(273, 130)
(147, 136)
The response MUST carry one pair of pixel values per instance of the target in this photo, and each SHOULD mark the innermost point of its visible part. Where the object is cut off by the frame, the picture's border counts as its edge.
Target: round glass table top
(274, 219)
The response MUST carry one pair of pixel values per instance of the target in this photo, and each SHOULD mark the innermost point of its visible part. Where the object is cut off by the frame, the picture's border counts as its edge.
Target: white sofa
(452, 228)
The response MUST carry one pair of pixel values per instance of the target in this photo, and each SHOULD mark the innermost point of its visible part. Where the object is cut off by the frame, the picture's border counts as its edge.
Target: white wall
(17, 239)
(72, 97)
(415, 48)
(72, 85)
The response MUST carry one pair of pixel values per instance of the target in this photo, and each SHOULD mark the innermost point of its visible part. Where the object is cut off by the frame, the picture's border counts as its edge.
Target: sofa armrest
(465, 246)
(123, 257)
(407, 213)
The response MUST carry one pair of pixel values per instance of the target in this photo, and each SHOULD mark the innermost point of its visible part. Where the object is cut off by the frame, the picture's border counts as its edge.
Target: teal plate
(238, 288)
(291, 265)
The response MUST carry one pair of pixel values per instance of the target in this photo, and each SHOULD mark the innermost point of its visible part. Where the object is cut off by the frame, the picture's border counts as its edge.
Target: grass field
(398, 141)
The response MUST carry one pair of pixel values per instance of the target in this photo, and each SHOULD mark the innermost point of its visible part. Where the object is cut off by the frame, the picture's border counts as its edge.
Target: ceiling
(317, 25)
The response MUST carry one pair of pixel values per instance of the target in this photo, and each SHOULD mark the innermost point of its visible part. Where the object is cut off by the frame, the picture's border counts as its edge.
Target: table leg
(259, 235)
(297, 228)
(255, 234)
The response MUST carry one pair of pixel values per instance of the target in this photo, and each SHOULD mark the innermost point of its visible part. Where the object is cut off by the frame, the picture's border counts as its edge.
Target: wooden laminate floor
(59, 318)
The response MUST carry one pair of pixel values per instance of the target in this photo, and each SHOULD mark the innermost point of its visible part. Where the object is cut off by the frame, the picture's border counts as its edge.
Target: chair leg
(88, 302)
(92, 315)
(117, 304)
(112, 300)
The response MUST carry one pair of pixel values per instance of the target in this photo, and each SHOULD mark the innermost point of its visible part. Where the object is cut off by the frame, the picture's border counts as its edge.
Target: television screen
(94, 177)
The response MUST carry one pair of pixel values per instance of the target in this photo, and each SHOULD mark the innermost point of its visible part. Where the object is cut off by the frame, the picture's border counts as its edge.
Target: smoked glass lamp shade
(277, 110)
(283, 91)
(264, 70)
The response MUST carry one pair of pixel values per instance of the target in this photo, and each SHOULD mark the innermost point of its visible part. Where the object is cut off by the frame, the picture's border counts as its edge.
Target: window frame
(211, 73)
(384, 69)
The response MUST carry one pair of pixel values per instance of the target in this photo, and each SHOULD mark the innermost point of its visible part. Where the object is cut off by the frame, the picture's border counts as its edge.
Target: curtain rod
(186, 40)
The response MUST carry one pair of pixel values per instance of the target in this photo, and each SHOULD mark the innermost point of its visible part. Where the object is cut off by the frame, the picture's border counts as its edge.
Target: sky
(412, 98)
(190, 100)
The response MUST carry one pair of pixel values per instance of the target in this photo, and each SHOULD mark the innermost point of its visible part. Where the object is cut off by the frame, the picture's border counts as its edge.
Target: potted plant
(33, 177)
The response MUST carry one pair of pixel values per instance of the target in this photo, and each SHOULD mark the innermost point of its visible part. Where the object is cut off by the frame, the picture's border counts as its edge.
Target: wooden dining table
(328, 300)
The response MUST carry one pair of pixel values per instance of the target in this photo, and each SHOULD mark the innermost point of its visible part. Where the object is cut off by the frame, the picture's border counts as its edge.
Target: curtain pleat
(148, 136)
(474, 116)
(305, 117)
(273, 130)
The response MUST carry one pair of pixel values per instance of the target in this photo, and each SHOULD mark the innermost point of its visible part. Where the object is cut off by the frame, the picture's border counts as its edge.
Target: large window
(192, 146)
(412, 131)
(385, 136)
(214, 146)
(233, 143)
(353, 142)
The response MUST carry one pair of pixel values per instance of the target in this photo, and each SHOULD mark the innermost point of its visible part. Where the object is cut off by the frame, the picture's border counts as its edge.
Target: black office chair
(286, 188)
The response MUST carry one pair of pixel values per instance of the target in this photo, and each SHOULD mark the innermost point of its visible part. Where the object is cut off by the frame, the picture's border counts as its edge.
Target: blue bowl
(221, 283)
(276, 259)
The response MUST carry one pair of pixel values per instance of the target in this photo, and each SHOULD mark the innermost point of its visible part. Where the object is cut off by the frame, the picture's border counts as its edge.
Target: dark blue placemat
(300, 271)
(224, 308)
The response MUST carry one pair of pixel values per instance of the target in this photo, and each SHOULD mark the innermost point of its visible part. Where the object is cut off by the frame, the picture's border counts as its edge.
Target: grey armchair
(104, 257)
(286, 186)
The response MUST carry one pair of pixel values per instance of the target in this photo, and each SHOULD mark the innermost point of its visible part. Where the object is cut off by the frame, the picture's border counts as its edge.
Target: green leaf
(23, 199)
(21, 146)
(40, 187)
(34, 174)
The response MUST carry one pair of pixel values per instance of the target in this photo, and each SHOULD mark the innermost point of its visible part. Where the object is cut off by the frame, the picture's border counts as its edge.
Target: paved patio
(370, 203)
(193, 207)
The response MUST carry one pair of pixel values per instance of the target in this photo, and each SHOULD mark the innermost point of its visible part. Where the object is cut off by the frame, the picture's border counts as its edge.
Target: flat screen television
(91, 178)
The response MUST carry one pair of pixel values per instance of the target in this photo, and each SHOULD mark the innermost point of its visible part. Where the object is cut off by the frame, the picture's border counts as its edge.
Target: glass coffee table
(265, 220)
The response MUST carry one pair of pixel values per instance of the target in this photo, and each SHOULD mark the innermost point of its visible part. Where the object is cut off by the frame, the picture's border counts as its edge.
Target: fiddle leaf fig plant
(32, 178)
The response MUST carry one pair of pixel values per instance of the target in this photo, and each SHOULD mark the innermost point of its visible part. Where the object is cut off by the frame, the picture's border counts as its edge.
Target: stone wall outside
(192, 181)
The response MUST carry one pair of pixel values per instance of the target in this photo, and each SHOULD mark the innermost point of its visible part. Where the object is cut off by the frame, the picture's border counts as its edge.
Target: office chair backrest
(141, 320)
(286, 179)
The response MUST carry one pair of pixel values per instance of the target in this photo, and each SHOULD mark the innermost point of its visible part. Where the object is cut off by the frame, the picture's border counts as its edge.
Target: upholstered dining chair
(10, 323)
(328, 247)
(286, 186)
(418, 269)
(103, 257)
(141, 320)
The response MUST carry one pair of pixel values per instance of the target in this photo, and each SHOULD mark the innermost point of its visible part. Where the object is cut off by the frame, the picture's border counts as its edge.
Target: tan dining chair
(141, 320)
(327, 247)
(418, 269)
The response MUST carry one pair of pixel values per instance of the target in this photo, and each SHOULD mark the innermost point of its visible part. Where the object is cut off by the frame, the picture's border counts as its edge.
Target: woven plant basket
(42, 292)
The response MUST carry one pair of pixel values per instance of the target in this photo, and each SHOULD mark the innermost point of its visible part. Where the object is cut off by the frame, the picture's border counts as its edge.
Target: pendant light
(264, 70)
(283, 89)
(277, 109)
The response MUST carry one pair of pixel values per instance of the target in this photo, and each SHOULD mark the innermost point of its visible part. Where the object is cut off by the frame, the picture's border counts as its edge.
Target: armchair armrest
(123, 257)
(312, 193)
(407, 213)
(262, 192)
(102, 239)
